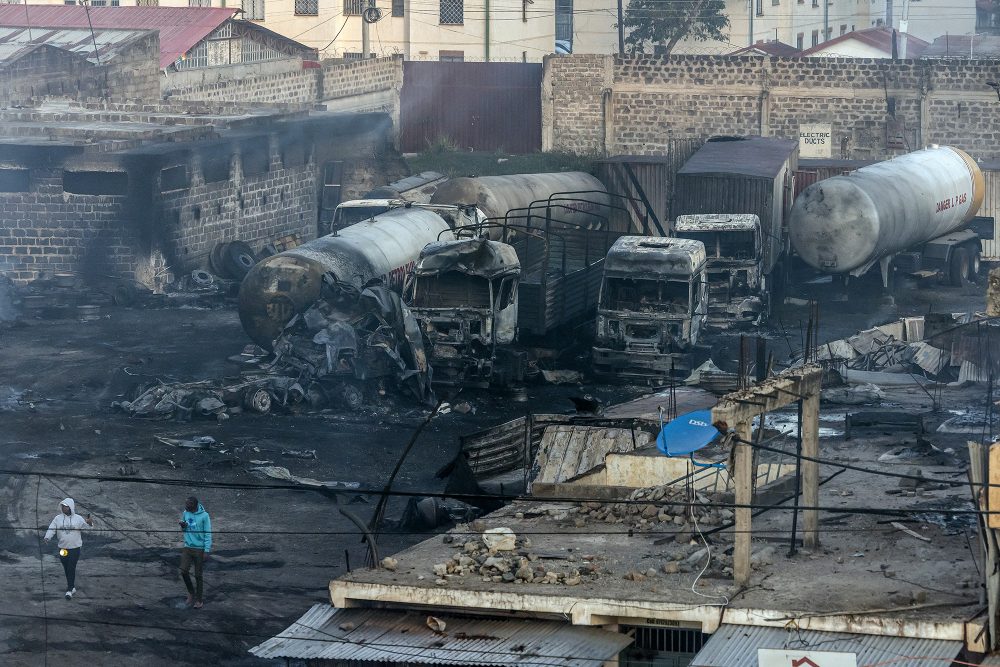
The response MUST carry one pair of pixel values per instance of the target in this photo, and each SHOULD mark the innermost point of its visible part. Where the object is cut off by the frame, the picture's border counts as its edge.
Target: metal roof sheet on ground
(382, 635)
(763, 157)
(736, 646)
(82, 42)
(180, 28)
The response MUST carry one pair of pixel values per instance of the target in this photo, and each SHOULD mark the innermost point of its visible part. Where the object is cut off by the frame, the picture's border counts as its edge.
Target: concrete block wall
(251, 208)
(299, 87)
(49, 230)
(349, 79)
(608, 105)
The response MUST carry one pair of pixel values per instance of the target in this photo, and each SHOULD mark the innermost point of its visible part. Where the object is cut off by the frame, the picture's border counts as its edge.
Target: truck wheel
(958, 268)
(975, 266)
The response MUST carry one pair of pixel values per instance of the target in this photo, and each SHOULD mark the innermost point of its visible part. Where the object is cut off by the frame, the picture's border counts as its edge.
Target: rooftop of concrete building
(897, 556)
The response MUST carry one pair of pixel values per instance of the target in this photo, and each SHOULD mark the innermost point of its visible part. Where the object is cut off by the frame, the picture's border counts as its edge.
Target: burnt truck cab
(464, 296)
(737, 293)
(651, 308)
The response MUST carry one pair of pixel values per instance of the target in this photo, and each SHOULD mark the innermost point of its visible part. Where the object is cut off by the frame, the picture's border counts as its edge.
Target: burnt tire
(975, 266)
(958, 268)
(215, 257)
(258, 400)
(238, 259)
(202, 278)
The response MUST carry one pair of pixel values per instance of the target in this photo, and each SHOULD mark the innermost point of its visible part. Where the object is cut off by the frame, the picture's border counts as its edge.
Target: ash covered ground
(59, 381)
(275, 551)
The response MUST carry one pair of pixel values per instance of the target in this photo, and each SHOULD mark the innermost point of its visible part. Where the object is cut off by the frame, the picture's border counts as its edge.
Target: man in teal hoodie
(197, 528)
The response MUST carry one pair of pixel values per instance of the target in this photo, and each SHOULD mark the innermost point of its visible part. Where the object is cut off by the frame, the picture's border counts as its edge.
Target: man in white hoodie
(67, 526)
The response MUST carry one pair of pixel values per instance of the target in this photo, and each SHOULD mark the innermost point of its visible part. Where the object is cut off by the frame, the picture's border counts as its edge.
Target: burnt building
(125, 192)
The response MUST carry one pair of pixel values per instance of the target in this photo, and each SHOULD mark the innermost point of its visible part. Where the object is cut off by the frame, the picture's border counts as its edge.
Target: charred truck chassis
(652, 306)
(737, 286)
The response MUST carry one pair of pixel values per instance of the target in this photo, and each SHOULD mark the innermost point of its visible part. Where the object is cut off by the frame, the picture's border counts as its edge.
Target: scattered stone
(572, 579)
(671, 568)
(650, 573)
(762, 558)
(632, 575)
(390, 563)
(347, 627)
(499, 539)
(441, 569)
(508, 576)
(579, 523)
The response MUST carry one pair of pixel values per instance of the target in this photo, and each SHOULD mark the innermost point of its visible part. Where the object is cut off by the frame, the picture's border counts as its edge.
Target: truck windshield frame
(345, 216)
(452, 289)
(727, 244)
(654, 296)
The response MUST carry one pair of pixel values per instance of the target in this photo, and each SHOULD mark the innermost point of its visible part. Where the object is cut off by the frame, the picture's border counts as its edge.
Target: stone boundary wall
(300, 86)
(594, 104)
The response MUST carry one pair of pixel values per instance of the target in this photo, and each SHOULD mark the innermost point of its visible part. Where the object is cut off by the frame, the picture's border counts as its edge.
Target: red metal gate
(478, 106)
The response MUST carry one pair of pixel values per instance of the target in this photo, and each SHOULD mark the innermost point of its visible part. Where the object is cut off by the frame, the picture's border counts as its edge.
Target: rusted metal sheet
(180, 28)
(654, 176)
(478, 106)
(503, 448)
(991, 208)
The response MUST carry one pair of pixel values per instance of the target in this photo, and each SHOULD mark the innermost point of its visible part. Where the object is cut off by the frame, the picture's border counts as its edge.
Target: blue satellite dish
(687, 433)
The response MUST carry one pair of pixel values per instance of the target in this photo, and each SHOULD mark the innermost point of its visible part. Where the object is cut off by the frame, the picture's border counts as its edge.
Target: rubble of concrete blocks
(489, 558)
(655, 507)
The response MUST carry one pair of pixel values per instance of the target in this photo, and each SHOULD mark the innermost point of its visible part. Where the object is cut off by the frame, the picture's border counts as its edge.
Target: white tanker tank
(382, 248)
(496, 195)
(847, 223)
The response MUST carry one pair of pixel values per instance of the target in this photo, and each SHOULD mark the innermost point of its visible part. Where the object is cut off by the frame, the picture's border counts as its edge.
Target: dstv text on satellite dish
(770, 657)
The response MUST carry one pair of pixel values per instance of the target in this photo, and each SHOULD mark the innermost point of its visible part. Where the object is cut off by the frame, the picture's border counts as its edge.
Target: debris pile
(656, 507)
(217, 400)
(909, 350)
(351, 341)
(499, 556)
(65, 296)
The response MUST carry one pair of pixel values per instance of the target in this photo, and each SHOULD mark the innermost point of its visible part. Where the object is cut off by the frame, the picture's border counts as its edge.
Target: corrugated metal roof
(180, 28)
(381, 635)
(763, 157)
(81, 42)
(568, 451)
(991, 661)
(736, 646)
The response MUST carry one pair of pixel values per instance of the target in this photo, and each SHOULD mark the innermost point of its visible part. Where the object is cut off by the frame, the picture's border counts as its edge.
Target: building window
(799, 39)
(775, 3)
(196, 57)
(760, 7)
(147, 3)
(95, 182)
(14, 180)
(199, 3)
(307, 7)
(451, 56)
(354, 7)
(564, 21)
(843, 28)
(815, 37)
(253, 10)
(879, 23)
(101, 3)
(452, 12)
(398, 8)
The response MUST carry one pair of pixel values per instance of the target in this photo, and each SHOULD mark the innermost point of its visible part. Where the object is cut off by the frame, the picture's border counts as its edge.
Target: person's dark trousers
(69, 566)
(194, 557)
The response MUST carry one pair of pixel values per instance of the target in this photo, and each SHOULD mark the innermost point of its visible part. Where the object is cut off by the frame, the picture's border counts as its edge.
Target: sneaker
(199, 604)
(69, 594)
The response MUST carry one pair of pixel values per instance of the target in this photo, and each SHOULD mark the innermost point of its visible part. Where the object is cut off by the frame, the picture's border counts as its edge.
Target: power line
(499, 497)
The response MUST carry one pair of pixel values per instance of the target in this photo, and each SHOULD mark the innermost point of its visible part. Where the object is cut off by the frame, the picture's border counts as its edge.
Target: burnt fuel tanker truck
(381, 249)
(906, 214)
(578, 199)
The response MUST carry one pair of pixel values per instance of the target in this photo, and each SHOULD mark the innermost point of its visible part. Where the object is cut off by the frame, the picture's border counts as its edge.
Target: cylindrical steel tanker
(384, 247)
(847, 223)
(496, 195)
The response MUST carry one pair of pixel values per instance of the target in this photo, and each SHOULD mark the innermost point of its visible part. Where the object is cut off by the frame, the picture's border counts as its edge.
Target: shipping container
(742, 175)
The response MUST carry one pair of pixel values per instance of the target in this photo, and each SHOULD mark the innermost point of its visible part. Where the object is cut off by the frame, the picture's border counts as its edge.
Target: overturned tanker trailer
(330, 309)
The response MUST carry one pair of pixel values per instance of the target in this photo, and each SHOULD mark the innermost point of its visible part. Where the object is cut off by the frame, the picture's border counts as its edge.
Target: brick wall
(46, 71)
(603, 104)
(347, 79)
